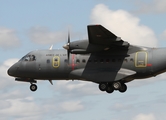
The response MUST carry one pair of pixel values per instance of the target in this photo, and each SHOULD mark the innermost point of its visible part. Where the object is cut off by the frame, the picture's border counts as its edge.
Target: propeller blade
(68, 46)
(68, 37)
(68, 56)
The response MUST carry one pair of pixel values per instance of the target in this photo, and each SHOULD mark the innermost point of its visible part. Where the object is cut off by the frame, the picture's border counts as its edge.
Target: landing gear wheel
(116, 85)
(103, 86)
(33, 87)
(110, 89)
(123, 88)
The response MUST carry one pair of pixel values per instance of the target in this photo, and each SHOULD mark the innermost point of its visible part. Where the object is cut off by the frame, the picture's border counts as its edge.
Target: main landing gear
(110, 87)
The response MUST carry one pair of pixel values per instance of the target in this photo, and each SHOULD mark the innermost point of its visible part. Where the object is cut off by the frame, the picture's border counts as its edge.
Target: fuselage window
(55, 59)
(95, 60)
(77, 61)
(83, 60)
(32, 58)
(48, 61)
(119, 60)
(107, 60)
(101, 60)
(89, 60)
(113, 60)
(65, 60)
(131, 60)
(125, 60)
(29, 58)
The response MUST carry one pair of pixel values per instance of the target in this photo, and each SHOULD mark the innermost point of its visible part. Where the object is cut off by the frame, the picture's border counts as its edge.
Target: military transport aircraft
(104, 59)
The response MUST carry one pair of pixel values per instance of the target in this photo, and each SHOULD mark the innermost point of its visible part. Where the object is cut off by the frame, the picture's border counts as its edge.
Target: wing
(98, 35)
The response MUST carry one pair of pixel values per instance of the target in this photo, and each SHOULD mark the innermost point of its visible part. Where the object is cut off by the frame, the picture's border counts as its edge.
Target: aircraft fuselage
(95, 67)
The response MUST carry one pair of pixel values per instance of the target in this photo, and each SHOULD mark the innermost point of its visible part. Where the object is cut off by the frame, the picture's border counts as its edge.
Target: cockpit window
(29, 58)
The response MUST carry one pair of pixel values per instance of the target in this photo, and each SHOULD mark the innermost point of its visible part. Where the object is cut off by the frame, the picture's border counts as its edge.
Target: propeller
(67, 47)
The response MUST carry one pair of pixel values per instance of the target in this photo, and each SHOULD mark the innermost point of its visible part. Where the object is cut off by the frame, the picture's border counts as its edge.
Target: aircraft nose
(12, 70)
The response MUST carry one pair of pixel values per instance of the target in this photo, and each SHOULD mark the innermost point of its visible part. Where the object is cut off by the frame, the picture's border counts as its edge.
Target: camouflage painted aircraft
(104, 59)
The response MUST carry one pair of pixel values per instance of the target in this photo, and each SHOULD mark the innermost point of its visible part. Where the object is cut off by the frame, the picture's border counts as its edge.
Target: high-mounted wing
(99, 35)
(100, 39)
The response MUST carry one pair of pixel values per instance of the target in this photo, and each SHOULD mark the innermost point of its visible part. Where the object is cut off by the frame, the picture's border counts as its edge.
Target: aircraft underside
(109, 87)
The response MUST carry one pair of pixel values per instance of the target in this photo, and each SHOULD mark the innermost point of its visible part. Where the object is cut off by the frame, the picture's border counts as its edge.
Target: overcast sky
(30, 25)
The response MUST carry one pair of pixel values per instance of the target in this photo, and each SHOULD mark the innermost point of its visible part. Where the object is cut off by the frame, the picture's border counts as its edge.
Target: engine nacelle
(84, 47)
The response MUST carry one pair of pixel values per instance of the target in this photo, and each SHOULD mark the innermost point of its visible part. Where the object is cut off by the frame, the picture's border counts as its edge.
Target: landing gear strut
(110, 87)
(33, 87)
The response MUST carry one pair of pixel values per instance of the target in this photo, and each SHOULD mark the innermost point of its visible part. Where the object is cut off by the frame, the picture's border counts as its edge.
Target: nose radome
(12, 70)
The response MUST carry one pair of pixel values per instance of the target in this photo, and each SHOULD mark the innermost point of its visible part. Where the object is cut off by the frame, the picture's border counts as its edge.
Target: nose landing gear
(33, 87)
